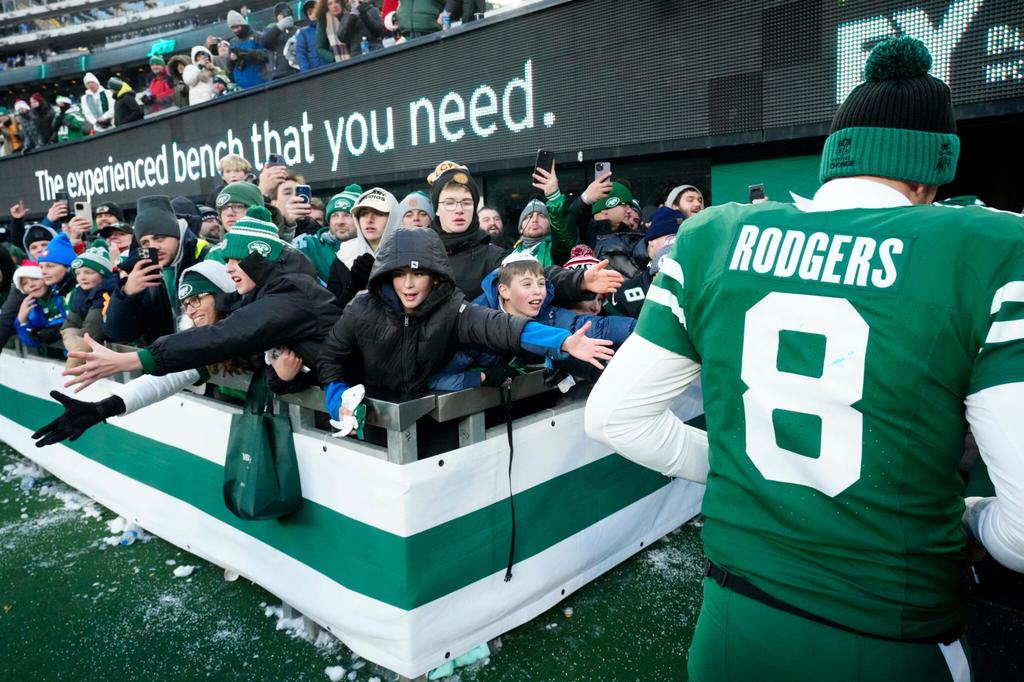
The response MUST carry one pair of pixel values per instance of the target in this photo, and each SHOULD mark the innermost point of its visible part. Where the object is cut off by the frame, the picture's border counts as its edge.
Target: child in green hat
(94, 274)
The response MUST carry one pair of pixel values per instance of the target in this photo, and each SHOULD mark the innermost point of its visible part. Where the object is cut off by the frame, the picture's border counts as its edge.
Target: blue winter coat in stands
(41, 328)
(305, 49)
(252, 61)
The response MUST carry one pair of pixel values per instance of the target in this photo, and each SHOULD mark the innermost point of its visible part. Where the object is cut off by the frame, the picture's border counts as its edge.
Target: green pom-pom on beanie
(896, 58)
(260, 213)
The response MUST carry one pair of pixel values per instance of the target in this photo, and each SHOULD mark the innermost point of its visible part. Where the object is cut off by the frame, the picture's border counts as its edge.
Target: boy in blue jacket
(518, 287)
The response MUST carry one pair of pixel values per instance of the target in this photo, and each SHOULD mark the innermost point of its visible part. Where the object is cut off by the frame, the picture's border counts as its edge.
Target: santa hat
(28, 268)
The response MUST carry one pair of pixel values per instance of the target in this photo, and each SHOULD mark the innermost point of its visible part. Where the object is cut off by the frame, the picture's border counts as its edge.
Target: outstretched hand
(584, 348)
(78, 417)
(601, 280)
(98, 363)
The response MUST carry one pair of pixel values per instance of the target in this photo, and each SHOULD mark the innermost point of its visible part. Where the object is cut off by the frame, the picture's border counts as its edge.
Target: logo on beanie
(103, 209)
(414, 264)
(945, 159)
(222, 199)
(613, 202)
(461, 178)
(844, 153)
(261, 248)
(77, 263)
(184, 290)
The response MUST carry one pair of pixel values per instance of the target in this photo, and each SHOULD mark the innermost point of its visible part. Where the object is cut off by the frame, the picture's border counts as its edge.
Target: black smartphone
(755, 194)
(149, 254)
(602, 168)
(304, 191)
(65, 197)
(275, 160)
(545, 160)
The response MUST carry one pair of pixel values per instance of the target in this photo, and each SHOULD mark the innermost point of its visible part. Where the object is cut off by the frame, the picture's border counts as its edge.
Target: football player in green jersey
(844, 346)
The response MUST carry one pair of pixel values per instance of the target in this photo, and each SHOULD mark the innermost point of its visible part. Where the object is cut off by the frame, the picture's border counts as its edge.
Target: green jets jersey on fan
(837, 349)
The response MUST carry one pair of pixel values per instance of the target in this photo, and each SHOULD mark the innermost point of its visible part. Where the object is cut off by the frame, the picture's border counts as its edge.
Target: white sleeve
(630, 410)
(147, 389)
(998, 522)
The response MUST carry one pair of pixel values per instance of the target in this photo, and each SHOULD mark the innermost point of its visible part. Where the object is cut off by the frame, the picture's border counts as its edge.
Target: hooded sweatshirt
(340, 281)
(377, 343)
(126, 108)
(198, 79)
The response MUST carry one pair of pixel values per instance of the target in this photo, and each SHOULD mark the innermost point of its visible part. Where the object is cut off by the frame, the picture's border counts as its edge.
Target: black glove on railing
(78, 417)
(501, 375)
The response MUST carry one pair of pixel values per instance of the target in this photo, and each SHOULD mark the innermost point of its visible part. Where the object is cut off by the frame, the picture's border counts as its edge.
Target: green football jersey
(837, 349)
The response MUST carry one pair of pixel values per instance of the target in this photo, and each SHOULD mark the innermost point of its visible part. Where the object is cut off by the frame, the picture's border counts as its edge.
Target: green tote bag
(261, 473)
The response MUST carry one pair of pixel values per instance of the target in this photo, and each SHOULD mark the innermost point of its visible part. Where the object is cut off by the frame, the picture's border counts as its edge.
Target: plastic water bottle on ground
(364, 46)
(130, 535)
(26, 483)
(446, 20)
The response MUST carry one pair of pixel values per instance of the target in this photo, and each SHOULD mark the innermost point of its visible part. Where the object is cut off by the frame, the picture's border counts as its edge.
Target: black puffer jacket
(287, 308)
(472, 257)
(379, 345)
(151, 313)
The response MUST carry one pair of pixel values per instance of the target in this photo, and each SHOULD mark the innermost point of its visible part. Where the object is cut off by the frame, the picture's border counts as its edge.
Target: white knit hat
(235, 18)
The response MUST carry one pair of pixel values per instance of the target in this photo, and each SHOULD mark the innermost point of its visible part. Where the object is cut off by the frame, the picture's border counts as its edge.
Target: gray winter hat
(533, 206)
(235, 18)
(416, 201)
(156, 217)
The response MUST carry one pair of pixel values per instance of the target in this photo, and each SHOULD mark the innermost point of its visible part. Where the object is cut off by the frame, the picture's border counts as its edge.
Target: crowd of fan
(363, 289)
(328, 31)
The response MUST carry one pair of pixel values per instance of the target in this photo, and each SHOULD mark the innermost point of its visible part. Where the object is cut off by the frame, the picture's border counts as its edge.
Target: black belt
(739, 585)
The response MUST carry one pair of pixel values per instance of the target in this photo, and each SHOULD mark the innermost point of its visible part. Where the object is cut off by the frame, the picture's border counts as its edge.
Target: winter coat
(253, 58)
(199, 82)
(44, 321)
(180, 96)
(472, 256)
(305, 49)
(86, 309)
(10, 136)
(152, 312)
(629, 299)
(72, 125)
(98, 108)
(8, 316)
(378, 344)
(28, 131)
(161, 90)
(321, 249)
(625, 250)
(276, 41)
(287, 308)
(364, 22)
(418, 17)
(126, 108)
(45, 119)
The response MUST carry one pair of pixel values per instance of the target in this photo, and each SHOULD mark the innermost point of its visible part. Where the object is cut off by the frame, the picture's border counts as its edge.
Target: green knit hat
(343, 201)
(255, 233)
(899, 123)
(96, 257)
(244, 193)
(620, 194)
(157, 59)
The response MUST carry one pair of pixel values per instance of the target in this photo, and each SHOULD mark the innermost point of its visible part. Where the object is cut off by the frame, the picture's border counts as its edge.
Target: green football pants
(739, 639)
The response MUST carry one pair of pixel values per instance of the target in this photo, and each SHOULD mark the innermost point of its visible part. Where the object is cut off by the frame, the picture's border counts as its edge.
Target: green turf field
(75, 607)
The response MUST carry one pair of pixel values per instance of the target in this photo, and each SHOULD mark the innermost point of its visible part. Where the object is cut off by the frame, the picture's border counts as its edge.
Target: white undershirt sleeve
(148, 389)
(998, 522)
(629, 409)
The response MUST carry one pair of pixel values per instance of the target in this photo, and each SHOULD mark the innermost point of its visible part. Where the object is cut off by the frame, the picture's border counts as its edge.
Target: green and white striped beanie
(96, 257)
(255, 233)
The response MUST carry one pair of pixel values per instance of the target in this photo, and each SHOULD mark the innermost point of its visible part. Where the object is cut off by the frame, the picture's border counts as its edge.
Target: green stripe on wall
(403, 572)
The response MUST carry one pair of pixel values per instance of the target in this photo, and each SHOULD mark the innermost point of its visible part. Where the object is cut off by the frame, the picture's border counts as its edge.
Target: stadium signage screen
(671, 76)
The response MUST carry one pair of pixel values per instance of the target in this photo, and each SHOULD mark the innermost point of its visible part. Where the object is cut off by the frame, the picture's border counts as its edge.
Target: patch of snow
(334, 673)
(183, 571)
(116, 526)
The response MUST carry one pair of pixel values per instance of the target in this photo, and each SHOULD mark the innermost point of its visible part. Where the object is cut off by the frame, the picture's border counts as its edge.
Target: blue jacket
(37, 322)
(252, 61)
(305, 49)
(615, 329)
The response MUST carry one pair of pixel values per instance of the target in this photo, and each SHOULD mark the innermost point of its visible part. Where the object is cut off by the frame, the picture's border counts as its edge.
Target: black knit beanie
(898, 123)
(156, 217)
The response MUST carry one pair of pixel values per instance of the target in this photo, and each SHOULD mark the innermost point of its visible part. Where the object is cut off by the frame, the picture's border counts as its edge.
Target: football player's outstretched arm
(629, 409)
(998, 522)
